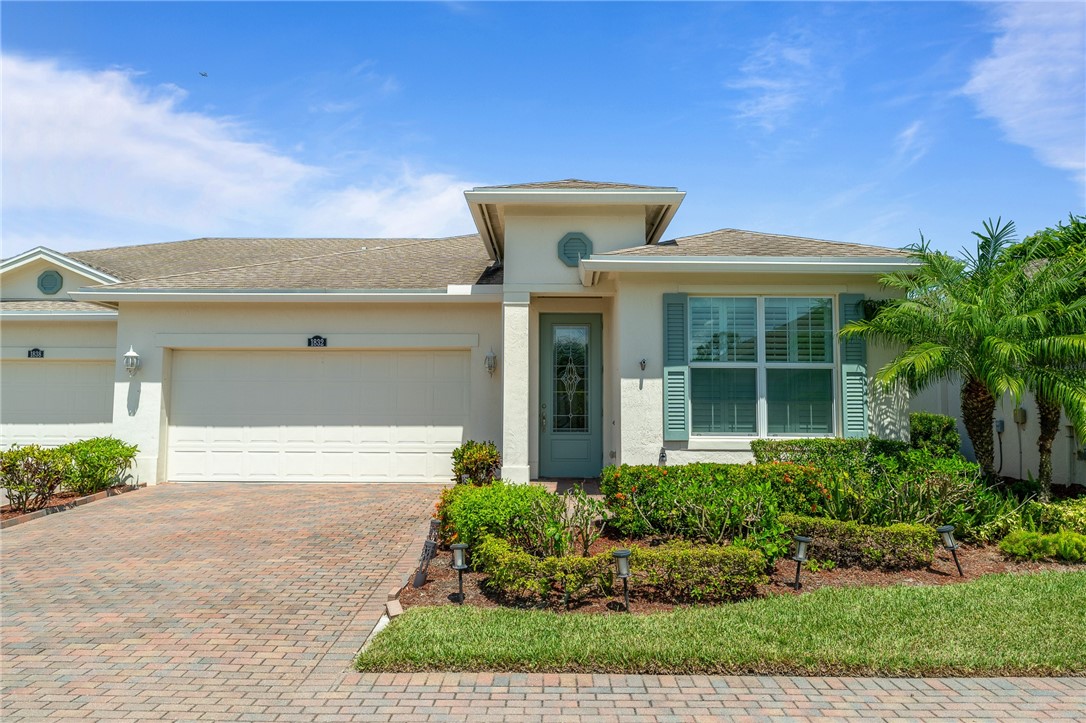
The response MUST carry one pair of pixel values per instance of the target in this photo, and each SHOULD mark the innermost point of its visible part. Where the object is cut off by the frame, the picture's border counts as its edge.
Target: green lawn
(998, 625)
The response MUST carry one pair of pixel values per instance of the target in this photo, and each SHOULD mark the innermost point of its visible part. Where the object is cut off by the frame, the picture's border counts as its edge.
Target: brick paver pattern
(231, 602)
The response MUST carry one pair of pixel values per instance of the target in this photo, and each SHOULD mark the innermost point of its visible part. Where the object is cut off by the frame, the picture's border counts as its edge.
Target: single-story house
(569, 329)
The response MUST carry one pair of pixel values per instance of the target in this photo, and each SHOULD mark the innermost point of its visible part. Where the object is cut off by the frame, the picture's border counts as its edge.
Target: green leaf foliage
(98, 464)
(936, 434)
(1065, 546)
(850, 544)
(477, 463)
(30, 475)
(467, 512)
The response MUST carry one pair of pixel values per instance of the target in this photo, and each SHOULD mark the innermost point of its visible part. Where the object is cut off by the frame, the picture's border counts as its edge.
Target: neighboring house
(566, 330)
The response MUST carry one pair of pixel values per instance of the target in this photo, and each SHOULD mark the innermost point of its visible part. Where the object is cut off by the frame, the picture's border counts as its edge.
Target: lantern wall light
(946, 532)
(622, 572)
(131, 361)
(490, 361)
(459, 563)
(802, 542)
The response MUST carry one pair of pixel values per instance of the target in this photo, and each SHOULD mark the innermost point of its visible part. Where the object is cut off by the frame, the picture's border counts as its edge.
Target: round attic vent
(49, 282)
(573, 247)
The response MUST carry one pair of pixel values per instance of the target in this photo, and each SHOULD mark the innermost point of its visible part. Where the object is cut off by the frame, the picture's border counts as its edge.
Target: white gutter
(579, 197)
(591, 267)
(453, 293)
(58, 315)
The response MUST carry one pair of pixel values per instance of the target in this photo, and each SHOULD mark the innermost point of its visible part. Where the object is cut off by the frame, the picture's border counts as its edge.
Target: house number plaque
(317, 341)
(35, 354)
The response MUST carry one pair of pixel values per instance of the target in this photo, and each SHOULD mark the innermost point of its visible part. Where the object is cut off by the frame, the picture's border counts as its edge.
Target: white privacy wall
(638, 315)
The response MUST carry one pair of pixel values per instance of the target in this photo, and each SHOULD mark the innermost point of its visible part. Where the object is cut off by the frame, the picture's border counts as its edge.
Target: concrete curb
(45, 511)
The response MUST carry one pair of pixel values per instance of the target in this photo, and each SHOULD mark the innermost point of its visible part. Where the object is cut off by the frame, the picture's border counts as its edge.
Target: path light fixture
(490, 361)
(947, 533)
(131, 361)
(459, 563)
(622, 572)
(802, 542)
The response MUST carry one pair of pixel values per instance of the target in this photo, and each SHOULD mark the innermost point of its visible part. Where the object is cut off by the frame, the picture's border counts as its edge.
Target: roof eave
(591, 268)
(473, 293)
(59, 259)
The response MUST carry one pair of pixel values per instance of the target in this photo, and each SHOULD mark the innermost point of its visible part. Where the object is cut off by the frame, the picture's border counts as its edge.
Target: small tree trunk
(1048, 412)
(978, 414)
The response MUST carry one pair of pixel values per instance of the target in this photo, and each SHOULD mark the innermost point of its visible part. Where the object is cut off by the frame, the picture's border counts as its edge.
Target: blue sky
(855, 122)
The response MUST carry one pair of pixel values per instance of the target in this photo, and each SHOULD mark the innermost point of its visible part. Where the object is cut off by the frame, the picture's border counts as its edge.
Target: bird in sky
(203, 74)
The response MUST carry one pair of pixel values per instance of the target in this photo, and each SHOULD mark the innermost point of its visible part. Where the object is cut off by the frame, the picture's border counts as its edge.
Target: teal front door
(570, 395)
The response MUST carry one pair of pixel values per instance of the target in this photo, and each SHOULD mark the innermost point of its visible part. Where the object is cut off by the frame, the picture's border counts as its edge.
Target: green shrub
(1066, 546)
(851, 544)
(710, 502)
(831, 455)
(677, 571)
(468, 512)
(935, 433)
(560, 525)
(477, 463)
(98, 464)
(1053, 517)
(30, 475)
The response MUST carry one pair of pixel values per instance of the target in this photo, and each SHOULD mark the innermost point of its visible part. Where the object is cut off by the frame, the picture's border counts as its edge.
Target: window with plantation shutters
(752, 366)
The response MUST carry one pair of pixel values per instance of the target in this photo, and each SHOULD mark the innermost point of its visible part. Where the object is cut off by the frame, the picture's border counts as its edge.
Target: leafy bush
(559, 525)
(30, 475)
(710, 502)
(1051, 517)
(851, 544)
(98, 464)
(935, 433)
(677, 571)
(852, 456)
(1066, 546)
(468, 512)
(477, 463)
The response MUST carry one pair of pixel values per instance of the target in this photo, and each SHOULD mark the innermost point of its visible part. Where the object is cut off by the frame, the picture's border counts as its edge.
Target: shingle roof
(65, 306)
(223, 263)
(734, 242)
(575, 184)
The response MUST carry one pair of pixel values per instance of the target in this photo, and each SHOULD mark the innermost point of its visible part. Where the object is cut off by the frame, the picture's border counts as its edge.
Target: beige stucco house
(570, 330)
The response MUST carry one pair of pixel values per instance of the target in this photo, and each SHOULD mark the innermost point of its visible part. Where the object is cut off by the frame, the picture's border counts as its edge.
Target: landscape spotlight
(459, 564)
(801, 555)
(622, 571)
(947, 533)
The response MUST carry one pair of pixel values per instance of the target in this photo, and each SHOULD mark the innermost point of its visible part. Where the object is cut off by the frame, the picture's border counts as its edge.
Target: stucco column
(516, 387)
(138, 405)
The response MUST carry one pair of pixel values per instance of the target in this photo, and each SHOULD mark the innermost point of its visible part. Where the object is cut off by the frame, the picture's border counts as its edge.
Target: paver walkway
(222, 602)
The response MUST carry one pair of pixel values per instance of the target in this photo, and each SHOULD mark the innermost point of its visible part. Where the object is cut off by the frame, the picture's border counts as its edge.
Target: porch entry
(570, 395)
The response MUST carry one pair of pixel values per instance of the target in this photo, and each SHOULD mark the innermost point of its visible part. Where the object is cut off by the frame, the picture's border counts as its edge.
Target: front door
(570, 395)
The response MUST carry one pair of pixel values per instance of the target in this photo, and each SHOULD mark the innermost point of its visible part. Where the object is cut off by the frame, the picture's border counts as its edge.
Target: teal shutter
(853, 370)
(676, 371)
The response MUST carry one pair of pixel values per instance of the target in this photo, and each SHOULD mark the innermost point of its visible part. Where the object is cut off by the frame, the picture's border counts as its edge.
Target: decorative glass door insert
(571, 364)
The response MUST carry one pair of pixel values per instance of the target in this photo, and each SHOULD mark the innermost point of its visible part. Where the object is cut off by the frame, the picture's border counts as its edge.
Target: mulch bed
(7, 511)
(441, 585)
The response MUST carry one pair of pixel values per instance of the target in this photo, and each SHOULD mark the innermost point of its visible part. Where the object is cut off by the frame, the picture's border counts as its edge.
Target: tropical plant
(983, 320)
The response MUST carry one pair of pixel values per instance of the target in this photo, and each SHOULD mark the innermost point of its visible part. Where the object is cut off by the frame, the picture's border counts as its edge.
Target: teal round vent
(49, 282)
(573, 247)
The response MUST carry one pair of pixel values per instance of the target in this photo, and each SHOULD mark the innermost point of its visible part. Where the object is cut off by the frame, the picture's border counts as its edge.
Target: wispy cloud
(911, 144)
(778, 77)
(1033, 82)
(95, 158)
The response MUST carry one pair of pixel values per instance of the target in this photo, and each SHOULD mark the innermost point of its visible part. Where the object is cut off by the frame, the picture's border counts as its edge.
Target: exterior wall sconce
(644, 363)
(622, 572)
(490, 361)
(801, 555)
(663, 457)
(947, 533)
(131, 361)
(459, 564)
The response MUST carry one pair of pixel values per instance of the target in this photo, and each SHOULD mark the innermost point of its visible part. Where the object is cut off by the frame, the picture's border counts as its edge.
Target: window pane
(799, 401)
(722, 401)
(798, 330)
(723, 330)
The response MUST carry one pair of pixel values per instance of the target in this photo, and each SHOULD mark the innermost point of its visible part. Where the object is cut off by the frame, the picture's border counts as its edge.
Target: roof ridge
(779, 235)
(413, 242)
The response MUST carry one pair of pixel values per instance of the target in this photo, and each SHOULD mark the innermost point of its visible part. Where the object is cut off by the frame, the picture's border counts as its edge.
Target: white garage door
(54, 402)
(316, 415)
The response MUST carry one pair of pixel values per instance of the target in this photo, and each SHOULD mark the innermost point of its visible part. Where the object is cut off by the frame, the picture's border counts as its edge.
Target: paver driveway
(183, 595)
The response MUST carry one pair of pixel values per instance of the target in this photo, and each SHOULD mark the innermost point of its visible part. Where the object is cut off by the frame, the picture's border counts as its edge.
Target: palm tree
(974, 321)
(1051, 268)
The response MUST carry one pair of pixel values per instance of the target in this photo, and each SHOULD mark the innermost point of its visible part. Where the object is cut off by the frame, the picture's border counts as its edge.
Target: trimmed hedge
(830, 455)
(1066, 546)
(679, 572)
(467, 513)
(935, 433)
(850, 544)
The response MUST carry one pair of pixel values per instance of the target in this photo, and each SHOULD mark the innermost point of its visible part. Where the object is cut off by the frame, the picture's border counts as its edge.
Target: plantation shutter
(853, 370)
(676, 371)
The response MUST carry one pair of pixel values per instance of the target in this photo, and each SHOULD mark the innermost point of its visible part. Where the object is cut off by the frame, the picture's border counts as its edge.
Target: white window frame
(761, 402)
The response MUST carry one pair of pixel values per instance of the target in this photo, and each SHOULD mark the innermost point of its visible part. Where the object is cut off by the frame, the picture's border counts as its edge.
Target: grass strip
(1009, 624)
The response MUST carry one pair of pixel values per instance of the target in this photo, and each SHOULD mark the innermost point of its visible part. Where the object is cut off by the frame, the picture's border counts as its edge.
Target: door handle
(543, 417)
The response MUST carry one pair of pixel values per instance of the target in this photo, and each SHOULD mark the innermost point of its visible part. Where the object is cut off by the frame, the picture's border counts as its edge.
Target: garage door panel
(55, 402)
(298, 416)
